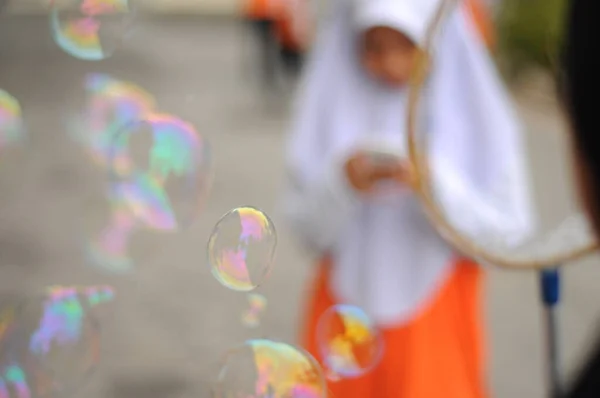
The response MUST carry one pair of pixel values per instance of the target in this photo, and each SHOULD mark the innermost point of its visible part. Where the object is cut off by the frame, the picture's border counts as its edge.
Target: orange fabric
(285, 33)
(258, 9)
(439, 354)
(482, 20)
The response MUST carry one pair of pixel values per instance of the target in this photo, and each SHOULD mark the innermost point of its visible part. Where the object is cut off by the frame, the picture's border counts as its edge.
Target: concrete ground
(172, 321)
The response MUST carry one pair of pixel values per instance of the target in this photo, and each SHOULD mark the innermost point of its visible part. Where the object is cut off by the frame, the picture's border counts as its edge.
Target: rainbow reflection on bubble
(258, 304)
(264, 368)
(349, 342)
(11, 122)
(111, 105)
(177, 147)
(64, 315)
(109, 249)
(177, 150)
(254, 223)
(61, 340)
(24, 381)
(162, 192)
(89, 29)
(13, 377)
(147, 202)
(241, 248)
(61, 322)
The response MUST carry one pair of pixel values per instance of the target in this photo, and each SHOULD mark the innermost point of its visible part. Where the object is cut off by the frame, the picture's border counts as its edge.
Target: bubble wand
(546, 264)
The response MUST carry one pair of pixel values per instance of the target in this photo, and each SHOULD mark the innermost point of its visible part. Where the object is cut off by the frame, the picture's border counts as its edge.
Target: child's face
(388, 55)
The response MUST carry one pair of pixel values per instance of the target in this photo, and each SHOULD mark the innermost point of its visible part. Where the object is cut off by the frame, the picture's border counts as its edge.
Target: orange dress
(440, 353)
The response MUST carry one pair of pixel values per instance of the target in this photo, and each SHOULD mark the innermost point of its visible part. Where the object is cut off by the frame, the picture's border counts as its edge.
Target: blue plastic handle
(550, 281)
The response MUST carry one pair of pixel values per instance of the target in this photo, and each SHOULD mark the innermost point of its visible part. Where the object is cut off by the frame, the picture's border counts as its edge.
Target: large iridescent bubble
(264, 368)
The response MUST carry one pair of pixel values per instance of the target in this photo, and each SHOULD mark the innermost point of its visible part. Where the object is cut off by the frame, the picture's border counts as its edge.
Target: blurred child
(375, 246)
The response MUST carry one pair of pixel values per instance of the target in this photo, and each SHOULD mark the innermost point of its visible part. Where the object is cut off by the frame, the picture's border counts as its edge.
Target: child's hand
(363, 174)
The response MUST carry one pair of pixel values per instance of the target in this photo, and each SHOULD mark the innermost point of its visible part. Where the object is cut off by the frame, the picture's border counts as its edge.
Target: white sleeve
(317, 212)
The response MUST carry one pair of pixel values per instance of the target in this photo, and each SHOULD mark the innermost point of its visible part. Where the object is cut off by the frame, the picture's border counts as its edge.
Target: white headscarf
(388, 259)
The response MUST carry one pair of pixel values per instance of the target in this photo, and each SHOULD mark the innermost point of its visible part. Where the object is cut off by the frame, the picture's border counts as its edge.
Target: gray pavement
(173, 321)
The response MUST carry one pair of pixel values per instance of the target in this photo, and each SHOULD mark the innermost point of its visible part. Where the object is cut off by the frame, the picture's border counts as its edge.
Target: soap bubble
(160, 169)
(264, 368)
(349, 342)
(90, 29)
(251, 317)
(52, 342)
(110, 105)
(241, 248)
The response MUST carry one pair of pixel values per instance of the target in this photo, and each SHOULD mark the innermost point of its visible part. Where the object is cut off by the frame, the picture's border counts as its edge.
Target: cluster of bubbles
(158, 169)
(158, 166)
(159, 172)
(51, 344)
(350, 346)
(241, 251)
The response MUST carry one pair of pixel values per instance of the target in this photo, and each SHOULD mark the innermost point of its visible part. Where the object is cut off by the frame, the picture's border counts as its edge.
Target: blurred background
(172, 321)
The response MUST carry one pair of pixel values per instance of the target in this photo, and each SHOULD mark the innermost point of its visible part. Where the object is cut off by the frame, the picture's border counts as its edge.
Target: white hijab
(389, 260)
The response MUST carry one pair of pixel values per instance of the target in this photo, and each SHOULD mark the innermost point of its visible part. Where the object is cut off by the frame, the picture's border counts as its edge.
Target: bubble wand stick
(550, 289)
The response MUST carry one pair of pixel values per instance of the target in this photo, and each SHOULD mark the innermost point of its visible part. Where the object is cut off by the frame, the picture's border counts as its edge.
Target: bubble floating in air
(157, 166)
(264, 368)
(110, 105)
(160, 169)
(241, 248)
(90, 30)
(257, 304)
(52, 343)
(349, 342)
